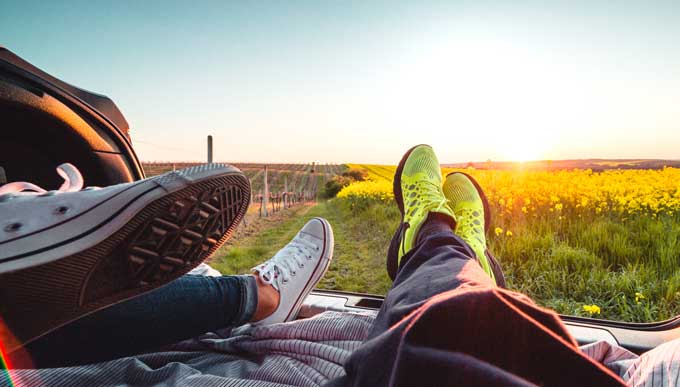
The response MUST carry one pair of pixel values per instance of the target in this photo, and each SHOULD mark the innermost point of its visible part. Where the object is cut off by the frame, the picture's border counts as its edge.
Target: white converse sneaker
(296, 269)
(67, 253)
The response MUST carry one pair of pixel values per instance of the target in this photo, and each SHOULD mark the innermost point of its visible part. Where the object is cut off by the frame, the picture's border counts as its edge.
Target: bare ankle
(267, 299)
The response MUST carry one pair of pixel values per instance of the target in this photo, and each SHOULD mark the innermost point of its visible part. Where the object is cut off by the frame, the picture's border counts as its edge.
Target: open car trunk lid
(45, 122)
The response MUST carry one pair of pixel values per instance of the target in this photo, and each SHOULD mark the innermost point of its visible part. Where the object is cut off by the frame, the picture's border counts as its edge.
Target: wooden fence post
(210, 150)
(266, 193)
(285, 190)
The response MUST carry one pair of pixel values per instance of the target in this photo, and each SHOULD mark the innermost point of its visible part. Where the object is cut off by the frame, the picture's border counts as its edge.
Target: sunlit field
(597, 244)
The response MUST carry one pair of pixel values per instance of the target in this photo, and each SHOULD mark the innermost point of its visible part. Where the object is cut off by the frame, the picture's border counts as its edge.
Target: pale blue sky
(341, 81)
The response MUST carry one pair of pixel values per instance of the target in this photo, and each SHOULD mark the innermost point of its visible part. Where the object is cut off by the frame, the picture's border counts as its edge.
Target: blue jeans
(185, 308)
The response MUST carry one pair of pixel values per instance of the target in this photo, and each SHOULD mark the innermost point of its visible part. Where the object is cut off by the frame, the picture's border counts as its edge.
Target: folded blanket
(300, 353)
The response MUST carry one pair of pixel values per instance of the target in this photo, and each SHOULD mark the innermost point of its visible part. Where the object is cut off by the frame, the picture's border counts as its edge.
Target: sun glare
(524, 149)
(505, 95)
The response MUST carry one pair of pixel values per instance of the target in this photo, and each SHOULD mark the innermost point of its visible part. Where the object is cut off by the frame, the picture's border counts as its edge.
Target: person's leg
(425, 257)
(187, 307)
(440, 262)
(191, 306)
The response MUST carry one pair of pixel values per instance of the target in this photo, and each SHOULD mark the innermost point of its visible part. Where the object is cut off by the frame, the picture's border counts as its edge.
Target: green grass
(603, 262)
(251, 250)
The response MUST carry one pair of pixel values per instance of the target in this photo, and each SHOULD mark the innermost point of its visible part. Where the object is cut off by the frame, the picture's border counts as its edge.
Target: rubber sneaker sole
(177, 223)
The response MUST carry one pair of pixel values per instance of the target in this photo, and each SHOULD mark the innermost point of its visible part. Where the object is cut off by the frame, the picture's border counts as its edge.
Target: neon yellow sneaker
(418, 192)
(473, 217)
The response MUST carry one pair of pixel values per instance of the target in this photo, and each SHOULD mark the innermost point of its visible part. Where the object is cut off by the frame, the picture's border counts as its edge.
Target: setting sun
(525, 148)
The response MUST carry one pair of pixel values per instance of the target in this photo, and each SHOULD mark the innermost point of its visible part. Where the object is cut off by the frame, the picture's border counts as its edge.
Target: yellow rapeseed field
(520, 195)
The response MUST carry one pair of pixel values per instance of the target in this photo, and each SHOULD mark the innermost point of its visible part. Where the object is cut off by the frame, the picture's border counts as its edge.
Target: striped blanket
(301, 353)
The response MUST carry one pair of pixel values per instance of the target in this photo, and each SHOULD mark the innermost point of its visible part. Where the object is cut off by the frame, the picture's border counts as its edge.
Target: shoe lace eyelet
(61, 210)
(15, 226)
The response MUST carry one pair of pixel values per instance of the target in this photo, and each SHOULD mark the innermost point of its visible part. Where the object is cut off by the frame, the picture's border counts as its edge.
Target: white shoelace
(73, 181)
(285, 262)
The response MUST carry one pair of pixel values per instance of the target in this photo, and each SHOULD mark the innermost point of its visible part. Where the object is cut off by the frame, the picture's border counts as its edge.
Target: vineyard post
(252, 192)
(285, 191)
(210, 149)
(265, 197)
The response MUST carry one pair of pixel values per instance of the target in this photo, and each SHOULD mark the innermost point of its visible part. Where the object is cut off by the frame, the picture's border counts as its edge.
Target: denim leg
(185, 308)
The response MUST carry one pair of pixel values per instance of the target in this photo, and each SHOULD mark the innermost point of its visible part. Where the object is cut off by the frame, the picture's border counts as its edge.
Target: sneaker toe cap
(316, 228)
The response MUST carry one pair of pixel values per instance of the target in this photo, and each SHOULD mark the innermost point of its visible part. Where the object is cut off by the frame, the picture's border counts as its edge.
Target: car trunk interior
(39, 130)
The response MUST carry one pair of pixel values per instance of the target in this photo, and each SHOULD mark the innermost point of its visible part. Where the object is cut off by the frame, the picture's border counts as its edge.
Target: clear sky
(344, 81)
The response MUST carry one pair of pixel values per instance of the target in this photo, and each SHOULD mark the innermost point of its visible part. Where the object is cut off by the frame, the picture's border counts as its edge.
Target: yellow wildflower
(592, 309)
